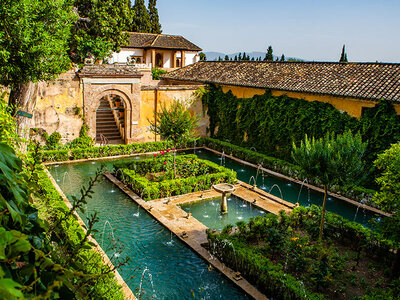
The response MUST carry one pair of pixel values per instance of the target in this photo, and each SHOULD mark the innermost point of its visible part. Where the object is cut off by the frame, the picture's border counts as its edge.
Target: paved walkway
(193, 233)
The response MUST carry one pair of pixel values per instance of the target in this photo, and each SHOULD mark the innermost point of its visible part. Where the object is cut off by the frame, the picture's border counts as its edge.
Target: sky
(307, 29)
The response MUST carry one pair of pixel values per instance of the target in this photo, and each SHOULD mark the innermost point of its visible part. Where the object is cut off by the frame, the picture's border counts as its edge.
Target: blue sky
(312, 30)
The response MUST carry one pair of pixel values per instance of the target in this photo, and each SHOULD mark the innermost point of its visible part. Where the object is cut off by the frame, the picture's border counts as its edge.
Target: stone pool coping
(128, 294)
(313, 187)
(192, 232)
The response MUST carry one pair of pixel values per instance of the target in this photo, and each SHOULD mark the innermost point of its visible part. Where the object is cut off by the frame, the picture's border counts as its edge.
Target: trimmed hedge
(133, 174)
(237, 249)
(52, 207)
(104, 151)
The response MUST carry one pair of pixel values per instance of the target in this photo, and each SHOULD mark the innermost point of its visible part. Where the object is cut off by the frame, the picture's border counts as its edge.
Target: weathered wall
(59, 106)
(350, 105)
(153, 98)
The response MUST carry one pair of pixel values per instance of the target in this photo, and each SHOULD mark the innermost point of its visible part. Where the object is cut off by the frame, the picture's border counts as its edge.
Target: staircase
(106, 125)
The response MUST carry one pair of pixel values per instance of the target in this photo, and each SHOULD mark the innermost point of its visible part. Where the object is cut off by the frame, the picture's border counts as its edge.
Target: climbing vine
(271, 124)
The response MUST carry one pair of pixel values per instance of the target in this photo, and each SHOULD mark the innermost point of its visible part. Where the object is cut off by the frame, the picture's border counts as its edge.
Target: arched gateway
(111, 100)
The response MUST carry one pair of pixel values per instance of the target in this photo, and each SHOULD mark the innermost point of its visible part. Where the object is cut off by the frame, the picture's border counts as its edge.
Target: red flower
(155, 155)
(165, 162)
(168, 150)
(162, 152)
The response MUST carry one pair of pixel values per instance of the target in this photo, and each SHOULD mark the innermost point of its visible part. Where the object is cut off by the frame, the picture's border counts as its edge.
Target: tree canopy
(140, 18)
(269, 55)
(331, 160)
(99, 29)
(34, 47)
(154, 18)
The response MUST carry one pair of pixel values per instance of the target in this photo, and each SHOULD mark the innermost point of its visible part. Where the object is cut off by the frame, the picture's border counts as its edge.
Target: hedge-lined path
(192, 232)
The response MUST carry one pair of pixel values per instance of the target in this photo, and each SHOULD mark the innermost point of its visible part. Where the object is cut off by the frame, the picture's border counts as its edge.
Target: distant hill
(214, 55)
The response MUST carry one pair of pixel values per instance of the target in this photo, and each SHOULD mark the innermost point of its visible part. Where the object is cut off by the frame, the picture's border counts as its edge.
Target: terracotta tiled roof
(359, 80)
(160, 41)
(109, 70)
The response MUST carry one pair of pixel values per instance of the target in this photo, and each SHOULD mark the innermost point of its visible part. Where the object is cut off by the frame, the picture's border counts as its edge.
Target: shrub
(195, 175)
(53, 140)
(83, 141)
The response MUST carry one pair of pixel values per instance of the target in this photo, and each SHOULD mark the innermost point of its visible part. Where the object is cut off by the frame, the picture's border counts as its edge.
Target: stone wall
(59, 107)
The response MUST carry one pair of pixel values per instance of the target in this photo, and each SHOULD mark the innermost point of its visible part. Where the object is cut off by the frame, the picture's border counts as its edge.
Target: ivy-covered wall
(272, 123)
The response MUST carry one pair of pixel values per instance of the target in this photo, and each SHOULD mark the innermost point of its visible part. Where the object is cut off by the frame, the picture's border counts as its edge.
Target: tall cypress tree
(283, 57)
(236, 58)
(154, 18)
(244, 56)
(240, 56)
(226, 57)
(269, 55)
(343, 56)
(141, 17)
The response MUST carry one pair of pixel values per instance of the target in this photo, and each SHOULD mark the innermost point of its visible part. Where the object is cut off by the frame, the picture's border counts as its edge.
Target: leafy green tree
(154, 18)
(175, 124)
(141, 18)
(269, 55)
(99, 30)
(388, 198)
(226, 58)
(283, 57)
(343, 56)
(203, 56)
(236, 58)
(244, 56)
(240, 56)
(331, 160)
(33, 47)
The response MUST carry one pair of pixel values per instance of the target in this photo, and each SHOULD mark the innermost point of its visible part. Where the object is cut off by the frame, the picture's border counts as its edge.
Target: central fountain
(224, 189)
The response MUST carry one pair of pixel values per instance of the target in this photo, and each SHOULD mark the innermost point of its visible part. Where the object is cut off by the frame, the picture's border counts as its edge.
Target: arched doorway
(159, 60)
(110, 120)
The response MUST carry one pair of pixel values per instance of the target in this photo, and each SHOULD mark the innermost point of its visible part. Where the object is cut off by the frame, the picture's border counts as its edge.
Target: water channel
(161, 266)
(291, 192)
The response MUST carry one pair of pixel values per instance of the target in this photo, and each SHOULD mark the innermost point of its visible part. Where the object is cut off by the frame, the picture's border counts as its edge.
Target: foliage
(99, 29)
(53, 140)
(343, 56)
(203, 56)
(154, 18)
(175, 124)
(8, 132)
(37, 258)
(389, 196)
(157, 72)
(330, 160)
(153, 178)
(271, 124)
(279, 254)
(35, 47)
(269, 55)
(84, 140)
(141, 18)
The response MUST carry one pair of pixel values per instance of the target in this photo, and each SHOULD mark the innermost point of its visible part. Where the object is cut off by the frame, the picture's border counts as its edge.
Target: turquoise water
(161, 266)
(291, 192)
(208, 212)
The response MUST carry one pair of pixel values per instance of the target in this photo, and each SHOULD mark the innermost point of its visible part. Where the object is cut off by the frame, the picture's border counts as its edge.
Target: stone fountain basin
(224, 188)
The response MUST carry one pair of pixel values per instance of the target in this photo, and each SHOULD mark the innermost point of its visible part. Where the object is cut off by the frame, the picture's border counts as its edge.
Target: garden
(284, 258)
(160, 177)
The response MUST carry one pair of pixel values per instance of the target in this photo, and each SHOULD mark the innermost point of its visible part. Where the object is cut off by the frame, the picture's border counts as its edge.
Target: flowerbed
(282, 257)
(154, 178)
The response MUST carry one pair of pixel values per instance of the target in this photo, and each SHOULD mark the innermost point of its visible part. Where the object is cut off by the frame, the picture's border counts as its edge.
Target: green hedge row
(272, 163)
(104, 151)
(52, 207)
(281, 166)
(133, 174)
(237, 249)
(258, 269)
(342, 230)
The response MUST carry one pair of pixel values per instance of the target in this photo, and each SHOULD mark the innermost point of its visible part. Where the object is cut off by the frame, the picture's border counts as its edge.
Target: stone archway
(125, 84)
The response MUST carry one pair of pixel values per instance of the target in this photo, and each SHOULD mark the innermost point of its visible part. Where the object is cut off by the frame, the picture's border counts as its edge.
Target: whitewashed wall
(122, 56)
